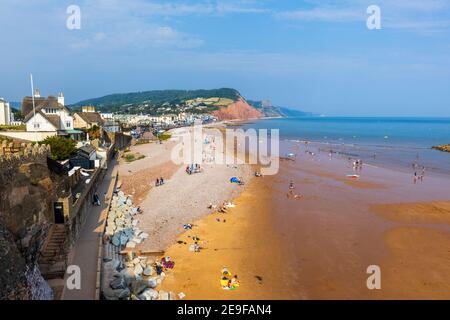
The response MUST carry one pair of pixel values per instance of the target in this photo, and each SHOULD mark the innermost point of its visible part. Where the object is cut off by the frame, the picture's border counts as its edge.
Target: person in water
(291, 185)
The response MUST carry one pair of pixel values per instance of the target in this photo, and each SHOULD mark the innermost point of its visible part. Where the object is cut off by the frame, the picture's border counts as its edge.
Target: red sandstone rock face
(239, 110)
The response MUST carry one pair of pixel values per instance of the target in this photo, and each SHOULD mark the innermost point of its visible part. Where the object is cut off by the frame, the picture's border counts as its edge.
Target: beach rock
(138, 269)
(128, 274)
(118, 283)
(138, 286)
(148, 271)
(152, 283)
(143, 235)
(123, 239)
(131, 244)
(149, 294)
(116, 264)
(163, 295)
(111, 294)
(116, 240)
(124, 294)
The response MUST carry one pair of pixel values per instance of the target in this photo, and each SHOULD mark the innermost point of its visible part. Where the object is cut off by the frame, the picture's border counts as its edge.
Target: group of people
(163, 265)
(222, 208)
(227, 281)
(357, 165)
(159, 182)
(419, 177)
(193, 168)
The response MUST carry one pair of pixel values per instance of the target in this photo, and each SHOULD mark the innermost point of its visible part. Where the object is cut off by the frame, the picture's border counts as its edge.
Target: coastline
(317, 247)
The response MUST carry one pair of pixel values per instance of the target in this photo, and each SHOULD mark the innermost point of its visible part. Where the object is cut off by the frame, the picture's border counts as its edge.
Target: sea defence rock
(132, 279)
(444, 148)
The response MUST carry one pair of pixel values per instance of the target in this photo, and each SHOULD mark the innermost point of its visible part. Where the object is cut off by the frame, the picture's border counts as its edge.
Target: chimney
(61, 98)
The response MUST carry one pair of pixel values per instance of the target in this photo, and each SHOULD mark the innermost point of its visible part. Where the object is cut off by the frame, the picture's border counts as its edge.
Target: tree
(94, 132)
(61, 148)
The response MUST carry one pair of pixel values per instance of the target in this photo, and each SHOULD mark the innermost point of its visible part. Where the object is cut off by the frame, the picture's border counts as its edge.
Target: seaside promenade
(85, 252)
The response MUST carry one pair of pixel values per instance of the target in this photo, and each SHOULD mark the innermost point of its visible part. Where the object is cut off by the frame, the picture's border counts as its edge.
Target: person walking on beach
(423, 174)
(157, 182)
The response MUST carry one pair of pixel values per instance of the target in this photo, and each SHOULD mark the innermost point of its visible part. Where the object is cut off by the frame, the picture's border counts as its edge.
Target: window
(68, 124)
(36, 125)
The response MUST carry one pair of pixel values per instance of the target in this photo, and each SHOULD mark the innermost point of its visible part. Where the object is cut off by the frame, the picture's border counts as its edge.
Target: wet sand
(319, 247)
(244, 241)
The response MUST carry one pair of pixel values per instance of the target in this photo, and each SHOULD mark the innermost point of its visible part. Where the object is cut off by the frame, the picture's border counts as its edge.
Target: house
(88, 109)
(87, 120)
(6, 116)
(112, 126)
(107, 115)
(85, 158)
(48, 115)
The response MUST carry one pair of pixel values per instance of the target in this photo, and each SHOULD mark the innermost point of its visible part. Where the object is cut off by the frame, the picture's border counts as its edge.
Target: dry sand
(183, 198)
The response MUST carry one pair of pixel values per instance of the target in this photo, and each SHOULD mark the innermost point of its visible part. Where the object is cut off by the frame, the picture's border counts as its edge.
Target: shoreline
(317, 247)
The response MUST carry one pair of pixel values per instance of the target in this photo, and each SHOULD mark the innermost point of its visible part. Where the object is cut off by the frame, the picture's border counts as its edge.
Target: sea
(401, 143)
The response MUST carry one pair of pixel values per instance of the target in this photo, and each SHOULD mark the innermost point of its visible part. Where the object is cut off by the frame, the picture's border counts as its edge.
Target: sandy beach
(315, 247)
(183, 198)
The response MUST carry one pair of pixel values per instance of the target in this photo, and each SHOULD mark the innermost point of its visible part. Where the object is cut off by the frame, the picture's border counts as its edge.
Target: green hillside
(157, 102)
(162, 101)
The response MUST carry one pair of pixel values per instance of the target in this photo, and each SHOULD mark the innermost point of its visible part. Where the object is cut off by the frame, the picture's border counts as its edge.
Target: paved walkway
(85, 252)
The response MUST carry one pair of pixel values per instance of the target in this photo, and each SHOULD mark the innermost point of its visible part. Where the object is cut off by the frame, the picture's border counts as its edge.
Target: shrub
(164, 136)
(61, 148)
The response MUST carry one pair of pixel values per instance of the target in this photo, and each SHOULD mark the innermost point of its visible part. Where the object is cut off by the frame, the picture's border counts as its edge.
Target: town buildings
(6, 116)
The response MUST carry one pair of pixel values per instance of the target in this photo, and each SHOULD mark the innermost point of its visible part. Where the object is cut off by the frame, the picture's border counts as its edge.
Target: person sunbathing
(233, 283)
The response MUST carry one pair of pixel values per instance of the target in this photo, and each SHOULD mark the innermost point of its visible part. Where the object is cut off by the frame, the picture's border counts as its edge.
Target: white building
(107, 115)
(49, 115)
(6, 116)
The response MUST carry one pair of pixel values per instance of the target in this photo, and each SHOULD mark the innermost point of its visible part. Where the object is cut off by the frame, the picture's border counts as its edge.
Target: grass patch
(164, 136)
(130, 157)
(21, 127)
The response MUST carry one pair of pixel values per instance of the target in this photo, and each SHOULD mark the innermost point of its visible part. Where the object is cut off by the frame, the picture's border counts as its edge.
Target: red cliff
(239, 110)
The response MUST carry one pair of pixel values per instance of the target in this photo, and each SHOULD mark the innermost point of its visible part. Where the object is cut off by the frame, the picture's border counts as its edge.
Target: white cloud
(418, 15)
(323, 14)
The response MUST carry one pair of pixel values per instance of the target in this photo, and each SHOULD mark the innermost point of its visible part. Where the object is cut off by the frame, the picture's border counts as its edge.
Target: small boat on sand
(352, 176)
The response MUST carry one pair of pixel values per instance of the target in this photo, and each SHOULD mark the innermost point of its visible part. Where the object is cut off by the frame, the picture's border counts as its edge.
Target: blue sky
(312, 55)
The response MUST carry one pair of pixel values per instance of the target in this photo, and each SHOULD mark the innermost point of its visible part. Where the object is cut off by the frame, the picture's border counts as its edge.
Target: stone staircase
(53, 257)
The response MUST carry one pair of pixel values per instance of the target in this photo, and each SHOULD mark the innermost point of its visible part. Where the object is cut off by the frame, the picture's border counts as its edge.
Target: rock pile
(135, 279)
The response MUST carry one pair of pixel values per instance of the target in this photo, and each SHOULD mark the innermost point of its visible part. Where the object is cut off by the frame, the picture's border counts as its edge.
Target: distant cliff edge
(224, 103)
